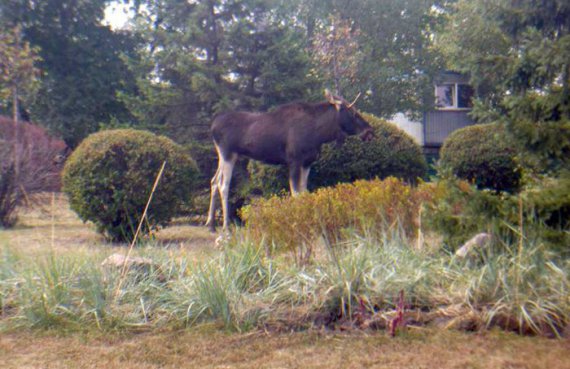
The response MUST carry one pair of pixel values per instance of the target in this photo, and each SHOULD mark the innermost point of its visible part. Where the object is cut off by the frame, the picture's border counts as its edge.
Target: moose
(291, 135)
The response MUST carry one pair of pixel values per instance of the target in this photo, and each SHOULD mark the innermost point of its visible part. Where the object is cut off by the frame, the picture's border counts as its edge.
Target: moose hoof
(222, 240)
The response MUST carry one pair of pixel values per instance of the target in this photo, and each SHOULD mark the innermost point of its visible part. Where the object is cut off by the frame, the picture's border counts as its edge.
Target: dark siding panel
(440, 124)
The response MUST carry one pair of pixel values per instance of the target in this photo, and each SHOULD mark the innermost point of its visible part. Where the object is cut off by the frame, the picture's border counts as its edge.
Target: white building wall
(413, 128)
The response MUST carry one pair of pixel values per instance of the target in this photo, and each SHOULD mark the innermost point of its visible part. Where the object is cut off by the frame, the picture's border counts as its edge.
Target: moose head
(351, 122)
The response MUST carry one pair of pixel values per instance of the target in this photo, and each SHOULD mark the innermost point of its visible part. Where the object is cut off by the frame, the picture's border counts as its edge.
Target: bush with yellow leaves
(294, 223)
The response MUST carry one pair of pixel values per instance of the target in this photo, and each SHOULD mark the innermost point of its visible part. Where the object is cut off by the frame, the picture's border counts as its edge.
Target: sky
(117, 15)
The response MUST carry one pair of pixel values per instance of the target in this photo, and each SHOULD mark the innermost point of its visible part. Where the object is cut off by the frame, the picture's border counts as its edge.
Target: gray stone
(478, 241)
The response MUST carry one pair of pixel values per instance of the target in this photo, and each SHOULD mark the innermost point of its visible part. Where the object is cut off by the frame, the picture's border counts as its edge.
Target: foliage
(10, 196)
(81, 64)
(337, 52)
(223, 287)
(534, 213)
(392, 153)
(208, 57)
(293, 224)
(397, 63)
(518, 56)
(179, 63)
(18, 73)
(482, 154)
(240, 289)
(30, 162)
(521, 71)
(199, 59)
(109, 178)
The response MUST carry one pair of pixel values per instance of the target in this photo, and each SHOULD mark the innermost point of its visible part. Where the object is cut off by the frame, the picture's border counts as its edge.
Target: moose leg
(295, 179)
(304, 178)
(227, 167)
(214, 184)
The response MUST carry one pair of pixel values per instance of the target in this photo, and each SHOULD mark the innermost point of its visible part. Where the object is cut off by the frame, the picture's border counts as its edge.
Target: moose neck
(328, 125)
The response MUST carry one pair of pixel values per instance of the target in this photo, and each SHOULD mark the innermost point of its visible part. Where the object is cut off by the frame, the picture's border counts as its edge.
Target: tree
(80, 60)
(18, 72)
(202, 58)
(518, 56)
(397, 60)
(337, 51)
(29, 164)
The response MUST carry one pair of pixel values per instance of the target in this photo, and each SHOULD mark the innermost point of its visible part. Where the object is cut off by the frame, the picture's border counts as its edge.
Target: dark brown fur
(291, 134)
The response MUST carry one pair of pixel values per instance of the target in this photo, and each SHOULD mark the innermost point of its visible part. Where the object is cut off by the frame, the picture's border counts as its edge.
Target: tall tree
(394, 38)
(205, 57)
(18, 72)
(81, 63)
(337, 51)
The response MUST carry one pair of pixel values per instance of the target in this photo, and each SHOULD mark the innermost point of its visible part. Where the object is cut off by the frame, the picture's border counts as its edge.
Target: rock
(141, 266)
(478, 241)
(376, 322)
(118, 260)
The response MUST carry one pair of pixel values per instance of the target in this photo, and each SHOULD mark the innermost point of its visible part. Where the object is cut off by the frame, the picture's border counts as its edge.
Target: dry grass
(51, 225)
(55, 227)
(422, 349)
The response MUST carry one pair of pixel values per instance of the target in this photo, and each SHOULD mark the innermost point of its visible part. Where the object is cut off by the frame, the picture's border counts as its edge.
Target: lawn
(203, 349)
(52, 228)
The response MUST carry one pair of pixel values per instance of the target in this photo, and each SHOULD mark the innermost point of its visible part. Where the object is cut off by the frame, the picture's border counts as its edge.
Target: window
(453, 96)
(444, 96)
(464, 96)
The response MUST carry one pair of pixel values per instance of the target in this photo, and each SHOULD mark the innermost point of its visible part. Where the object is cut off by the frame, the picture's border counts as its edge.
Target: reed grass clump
(520, 288)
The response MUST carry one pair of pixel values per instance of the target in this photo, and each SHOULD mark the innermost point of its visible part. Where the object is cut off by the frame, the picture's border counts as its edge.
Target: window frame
(455, 97)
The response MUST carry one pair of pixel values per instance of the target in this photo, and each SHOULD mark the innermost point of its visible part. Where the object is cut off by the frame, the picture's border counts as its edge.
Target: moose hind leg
(295, 179)
(227, 168)
(214, 185)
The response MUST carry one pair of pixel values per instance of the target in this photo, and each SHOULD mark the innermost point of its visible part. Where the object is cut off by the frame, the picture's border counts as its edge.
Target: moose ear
(331, 99)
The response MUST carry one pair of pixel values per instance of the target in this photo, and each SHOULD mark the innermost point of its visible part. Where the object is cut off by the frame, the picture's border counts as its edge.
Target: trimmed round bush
(481, 154)
(392, 153)
(110, 176)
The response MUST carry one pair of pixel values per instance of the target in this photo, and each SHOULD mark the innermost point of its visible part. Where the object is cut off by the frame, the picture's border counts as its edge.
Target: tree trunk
(336, 69)
(17, 145)
(15, 108)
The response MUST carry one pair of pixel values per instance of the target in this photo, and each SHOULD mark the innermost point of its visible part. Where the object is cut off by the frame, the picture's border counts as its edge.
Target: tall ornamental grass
(524, 289)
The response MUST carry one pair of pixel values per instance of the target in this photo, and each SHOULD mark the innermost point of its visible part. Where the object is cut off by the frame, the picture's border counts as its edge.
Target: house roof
(451, 77)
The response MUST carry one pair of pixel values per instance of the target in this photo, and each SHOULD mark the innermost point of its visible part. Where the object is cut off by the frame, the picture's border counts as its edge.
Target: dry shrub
(294, 223)
(30, 162)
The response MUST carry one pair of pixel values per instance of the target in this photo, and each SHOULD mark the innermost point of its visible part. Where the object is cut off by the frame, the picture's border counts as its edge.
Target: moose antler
(332, 99)
(355, 100)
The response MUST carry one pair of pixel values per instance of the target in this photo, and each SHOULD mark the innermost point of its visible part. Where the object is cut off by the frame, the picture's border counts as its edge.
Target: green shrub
(483, 155)
(109, 178)
(462, 210)
(392, 153)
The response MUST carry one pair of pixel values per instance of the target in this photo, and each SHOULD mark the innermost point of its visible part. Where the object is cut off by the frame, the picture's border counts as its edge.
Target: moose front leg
(298, 177)
(304, 178)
